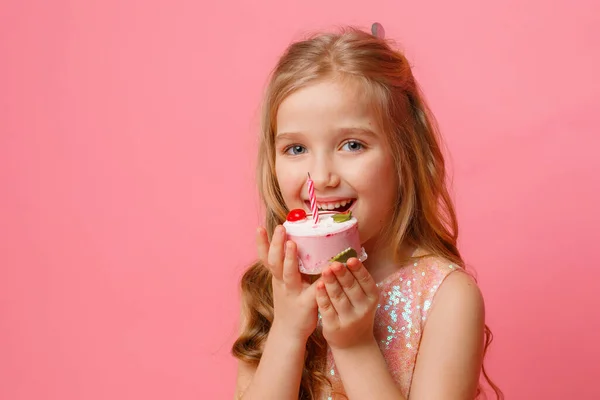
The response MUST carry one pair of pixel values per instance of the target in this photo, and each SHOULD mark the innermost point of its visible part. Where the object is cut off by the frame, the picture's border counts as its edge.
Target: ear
(377, 30)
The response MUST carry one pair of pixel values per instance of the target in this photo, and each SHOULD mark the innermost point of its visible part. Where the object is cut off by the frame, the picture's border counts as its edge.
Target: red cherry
(297, 214)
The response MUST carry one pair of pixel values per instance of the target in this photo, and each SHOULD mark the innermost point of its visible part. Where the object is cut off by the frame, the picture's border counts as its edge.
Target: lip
(331, 199)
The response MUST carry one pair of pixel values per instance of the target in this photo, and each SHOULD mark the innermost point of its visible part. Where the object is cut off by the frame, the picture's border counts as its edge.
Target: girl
(409, 321)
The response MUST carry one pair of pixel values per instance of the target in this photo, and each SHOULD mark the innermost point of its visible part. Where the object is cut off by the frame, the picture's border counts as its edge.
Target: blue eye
(295, 150)
(353, 145)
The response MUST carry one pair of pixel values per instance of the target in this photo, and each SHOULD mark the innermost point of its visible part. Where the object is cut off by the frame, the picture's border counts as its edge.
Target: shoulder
(449, 287)
(452, 339)
(459, 296)
(433, 285)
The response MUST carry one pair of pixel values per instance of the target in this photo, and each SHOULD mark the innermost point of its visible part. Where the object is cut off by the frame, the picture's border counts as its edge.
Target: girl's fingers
(262, 245)
(364, 278)
(275, 254)
(336, 294)
(291, 274)
(328, 314)
(349, 283)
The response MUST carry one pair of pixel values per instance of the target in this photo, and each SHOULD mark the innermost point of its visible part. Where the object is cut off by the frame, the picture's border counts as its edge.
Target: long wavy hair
(424, 215)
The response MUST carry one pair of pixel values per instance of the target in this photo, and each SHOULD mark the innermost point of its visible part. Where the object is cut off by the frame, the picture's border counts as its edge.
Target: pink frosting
(316, 251)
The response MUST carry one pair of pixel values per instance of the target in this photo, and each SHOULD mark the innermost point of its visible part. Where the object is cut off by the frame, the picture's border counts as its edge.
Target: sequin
(426, 305)
(404, 303)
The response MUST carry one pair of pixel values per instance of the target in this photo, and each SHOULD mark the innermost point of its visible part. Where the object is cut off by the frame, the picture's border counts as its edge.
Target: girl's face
(328, 130)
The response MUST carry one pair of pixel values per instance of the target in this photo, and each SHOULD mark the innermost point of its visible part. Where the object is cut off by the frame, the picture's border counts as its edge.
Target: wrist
(364, 370)
(367, 345)
(284, 333)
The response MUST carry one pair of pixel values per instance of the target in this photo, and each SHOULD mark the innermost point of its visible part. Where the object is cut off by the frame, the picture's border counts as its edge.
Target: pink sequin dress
(404, 303)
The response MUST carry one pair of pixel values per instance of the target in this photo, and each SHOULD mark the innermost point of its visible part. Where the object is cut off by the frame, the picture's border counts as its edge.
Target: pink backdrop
(127, 140)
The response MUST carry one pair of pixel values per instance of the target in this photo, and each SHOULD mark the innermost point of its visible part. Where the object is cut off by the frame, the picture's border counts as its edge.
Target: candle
(313, 200)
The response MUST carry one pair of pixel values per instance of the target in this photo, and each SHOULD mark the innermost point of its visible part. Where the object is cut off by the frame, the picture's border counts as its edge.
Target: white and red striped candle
(313, 200)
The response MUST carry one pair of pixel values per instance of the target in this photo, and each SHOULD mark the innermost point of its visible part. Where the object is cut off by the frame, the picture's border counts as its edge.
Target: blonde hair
(424, 215)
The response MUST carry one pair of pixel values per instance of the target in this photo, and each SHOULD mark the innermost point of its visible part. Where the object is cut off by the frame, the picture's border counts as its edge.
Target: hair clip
(377, 30)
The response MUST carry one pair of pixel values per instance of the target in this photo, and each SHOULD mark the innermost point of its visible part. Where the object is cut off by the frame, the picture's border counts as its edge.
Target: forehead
(325, 106)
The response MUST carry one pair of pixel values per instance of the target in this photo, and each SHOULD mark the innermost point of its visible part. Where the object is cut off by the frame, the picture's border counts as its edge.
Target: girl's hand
(347, 300)
(294, 298)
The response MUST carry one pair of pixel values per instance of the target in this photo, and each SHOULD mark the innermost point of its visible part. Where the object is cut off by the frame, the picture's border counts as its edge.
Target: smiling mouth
(337, 206)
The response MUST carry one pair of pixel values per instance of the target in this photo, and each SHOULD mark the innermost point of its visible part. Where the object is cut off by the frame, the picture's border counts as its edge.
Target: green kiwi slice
(345, 255)
(342, 217)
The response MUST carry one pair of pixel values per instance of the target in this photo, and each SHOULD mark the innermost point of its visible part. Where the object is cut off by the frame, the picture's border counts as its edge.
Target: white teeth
(332, 206)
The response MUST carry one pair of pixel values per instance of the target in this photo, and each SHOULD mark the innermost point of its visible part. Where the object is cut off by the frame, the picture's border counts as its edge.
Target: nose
(323, 174)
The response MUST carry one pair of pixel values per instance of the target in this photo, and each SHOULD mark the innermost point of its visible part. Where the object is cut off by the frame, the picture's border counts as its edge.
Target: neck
(381, 261)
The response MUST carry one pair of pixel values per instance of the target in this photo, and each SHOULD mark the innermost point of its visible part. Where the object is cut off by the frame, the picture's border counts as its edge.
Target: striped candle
(313, 200)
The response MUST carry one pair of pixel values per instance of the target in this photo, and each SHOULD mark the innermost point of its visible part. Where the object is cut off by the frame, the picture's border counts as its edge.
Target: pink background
(127, 141)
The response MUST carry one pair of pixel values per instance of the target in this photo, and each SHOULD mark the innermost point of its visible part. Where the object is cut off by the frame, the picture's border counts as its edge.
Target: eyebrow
(341, 131)
(286, 136)
(359, 131)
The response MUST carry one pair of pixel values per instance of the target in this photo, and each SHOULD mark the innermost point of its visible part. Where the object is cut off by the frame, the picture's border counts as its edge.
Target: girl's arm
(450, 353)
(365, 374)
(278, 373)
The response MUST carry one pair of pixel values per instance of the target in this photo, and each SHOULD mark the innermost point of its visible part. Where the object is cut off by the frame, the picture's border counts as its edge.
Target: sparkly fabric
(404, 303)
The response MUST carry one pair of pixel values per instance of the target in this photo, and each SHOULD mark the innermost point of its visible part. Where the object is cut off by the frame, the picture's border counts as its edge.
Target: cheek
(379, 183)
(288, 184)
(377, 174)
(388, 180)
(287, 188)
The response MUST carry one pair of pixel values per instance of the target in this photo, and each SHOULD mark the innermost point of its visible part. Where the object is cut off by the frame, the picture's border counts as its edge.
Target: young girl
(408, 321)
